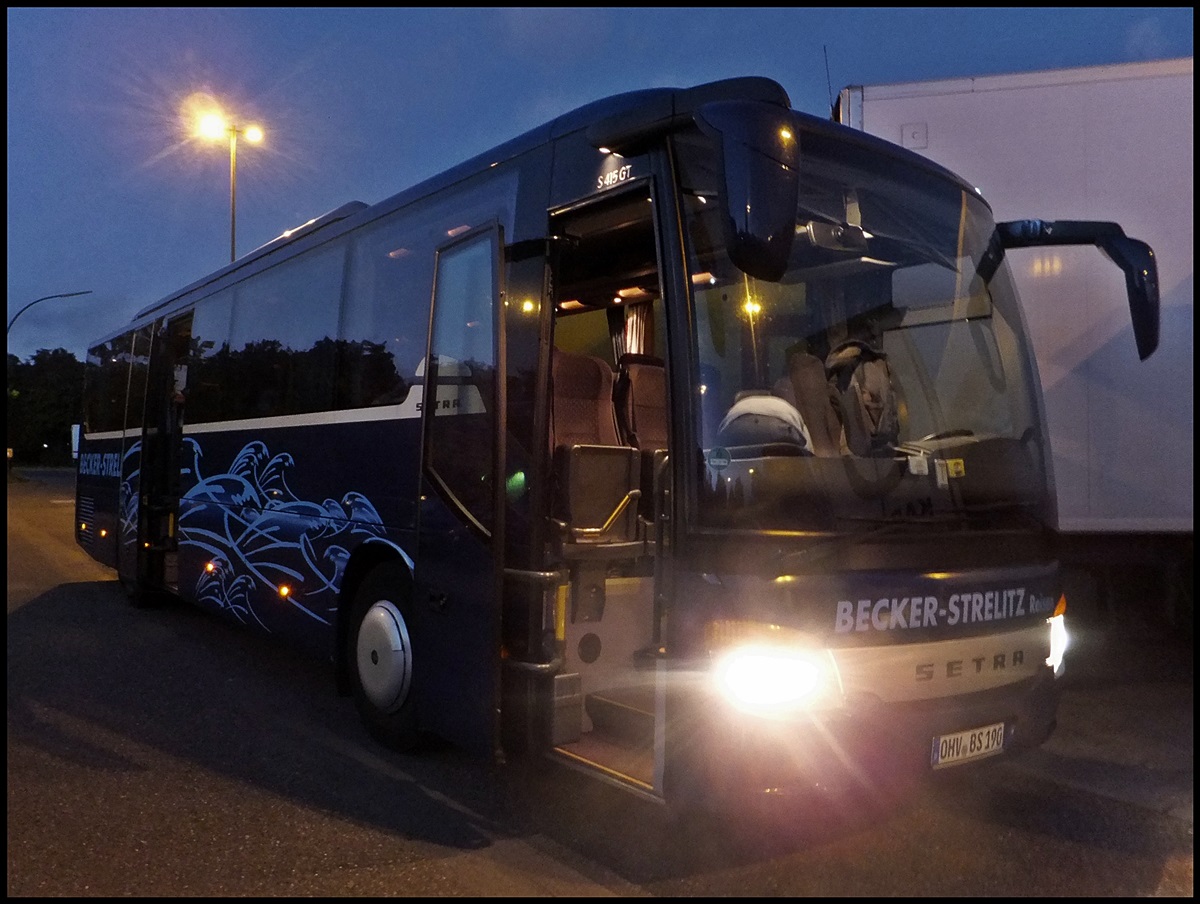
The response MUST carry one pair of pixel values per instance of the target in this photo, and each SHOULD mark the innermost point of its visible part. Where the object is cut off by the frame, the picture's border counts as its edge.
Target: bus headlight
(775, 680)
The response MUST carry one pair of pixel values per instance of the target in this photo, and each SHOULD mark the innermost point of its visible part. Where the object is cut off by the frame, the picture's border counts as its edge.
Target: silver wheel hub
(384, 655)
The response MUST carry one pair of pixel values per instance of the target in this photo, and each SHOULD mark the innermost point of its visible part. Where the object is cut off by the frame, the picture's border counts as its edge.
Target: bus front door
(458, 590)
(129, 491)
(162, 436)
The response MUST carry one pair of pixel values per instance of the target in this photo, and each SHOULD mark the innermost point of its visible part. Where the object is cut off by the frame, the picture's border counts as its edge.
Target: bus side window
(208, 388)
(383, 331)
(282, 337)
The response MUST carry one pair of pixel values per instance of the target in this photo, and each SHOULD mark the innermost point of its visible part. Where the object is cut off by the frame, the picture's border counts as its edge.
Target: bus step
(624, 715)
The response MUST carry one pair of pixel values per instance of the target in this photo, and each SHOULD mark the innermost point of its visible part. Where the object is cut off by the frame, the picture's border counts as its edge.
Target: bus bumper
(867, 749)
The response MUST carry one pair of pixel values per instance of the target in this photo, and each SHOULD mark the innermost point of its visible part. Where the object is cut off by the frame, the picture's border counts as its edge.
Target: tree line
(45, 397)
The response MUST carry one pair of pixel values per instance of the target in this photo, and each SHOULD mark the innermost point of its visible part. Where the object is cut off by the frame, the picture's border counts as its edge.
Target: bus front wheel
(380, 656)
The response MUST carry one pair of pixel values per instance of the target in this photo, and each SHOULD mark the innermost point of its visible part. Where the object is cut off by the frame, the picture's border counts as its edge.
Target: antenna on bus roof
(829, 83)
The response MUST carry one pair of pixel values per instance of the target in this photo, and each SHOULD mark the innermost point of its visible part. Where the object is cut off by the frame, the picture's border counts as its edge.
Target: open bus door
(457, 595)
(130, 553)
(162, 438)
(609, 426)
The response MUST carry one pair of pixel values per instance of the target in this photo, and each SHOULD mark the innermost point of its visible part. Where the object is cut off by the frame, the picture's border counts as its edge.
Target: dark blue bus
(688, 439)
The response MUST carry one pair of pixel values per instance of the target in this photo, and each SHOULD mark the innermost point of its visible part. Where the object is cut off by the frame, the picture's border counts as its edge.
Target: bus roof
(652, 105)
(621, 119)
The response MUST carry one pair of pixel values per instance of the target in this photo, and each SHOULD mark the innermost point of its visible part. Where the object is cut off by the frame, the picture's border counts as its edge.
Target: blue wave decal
(256, 536)
(128, 495)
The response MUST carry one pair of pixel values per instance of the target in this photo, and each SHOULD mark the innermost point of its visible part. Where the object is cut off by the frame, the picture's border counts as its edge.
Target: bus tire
(380, 658)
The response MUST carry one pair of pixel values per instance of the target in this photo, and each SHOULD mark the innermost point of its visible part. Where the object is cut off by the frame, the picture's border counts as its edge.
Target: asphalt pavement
(1125, 722)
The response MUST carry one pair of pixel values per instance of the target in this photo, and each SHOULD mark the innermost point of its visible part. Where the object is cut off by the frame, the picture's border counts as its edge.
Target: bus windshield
(885, 376)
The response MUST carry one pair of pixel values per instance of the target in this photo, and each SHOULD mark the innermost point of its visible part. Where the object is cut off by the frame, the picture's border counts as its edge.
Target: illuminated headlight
(775, 680)
(1058, 642)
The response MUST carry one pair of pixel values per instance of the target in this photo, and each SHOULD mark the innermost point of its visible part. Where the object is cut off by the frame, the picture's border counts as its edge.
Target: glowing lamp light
(772, 680)
(284, 590)
(1059, 641)
(212, 126)
(515, 484)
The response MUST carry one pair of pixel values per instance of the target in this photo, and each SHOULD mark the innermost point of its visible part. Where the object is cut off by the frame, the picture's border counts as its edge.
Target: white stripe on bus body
(450, 397)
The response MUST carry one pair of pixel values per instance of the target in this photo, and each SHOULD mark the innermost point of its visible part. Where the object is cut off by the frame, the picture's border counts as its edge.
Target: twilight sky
(108, 193)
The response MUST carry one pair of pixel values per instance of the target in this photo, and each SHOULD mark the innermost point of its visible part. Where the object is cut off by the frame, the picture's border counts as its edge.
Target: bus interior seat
(594, 472)
(865, 395)
(582, 410)
(807, 387)
(641, 400)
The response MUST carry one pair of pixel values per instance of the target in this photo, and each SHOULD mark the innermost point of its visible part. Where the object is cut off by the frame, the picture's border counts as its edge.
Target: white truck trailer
(1094, 143)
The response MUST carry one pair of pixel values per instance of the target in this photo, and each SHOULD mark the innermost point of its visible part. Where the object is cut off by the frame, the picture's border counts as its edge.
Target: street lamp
(43, 298)
(214, 126)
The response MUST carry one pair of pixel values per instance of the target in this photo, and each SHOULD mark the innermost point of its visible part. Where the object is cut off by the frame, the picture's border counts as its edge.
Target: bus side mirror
(759, 156)
(1134, 257)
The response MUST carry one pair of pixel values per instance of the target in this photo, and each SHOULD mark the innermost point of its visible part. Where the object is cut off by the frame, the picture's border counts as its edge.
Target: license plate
(964, 746)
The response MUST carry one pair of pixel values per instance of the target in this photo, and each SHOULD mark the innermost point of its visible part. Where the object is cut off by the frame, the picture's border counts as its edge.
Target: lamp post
(43, 298)
(214, 126)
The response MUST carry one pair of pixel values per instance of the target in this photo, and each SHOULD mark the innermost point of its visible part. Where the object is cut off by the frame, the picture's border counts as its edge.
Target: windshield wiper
(921, 447)
(925, 251)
